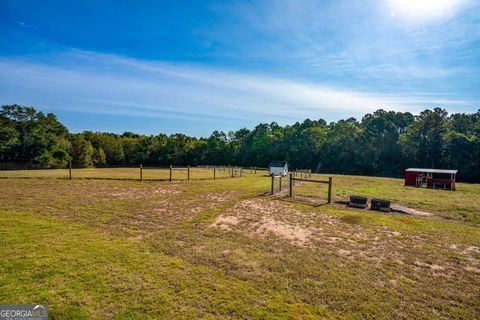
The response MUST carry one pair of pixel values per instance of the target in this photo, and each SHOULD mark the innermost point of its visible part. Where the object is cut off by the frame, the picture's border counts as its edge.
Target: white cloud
(108, 84)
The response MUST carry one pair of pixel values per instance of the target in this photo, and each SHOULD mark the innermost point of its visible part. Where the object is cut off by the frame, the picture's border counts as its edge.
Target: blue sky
(197, 66)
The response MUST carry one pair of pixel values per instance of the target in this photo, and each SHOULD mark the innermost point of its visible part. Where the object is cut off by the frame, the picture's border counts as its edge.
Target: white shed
(278, 168)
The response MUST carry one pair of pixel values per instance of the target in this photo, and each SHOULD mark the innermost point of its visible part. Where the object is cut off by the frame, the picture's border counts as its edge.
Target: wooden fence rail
(329, 182)
(145, 172)
(280, 185)
(230, 170)
(303, 173)
(227, 172)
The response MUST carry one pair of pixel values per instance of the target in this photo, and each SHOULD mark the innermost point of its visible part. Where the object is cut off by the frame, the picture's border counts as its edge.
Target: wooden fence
(139, 172)
(231, 171)
(280, 185)
(291, 183)
(302, 173)
(329, 182)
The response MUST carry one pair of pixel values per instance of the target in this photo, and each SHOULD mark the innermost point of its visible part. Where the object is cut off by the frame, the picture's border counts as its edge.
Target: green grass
(463, 204)
(99, 249)
(118, 173)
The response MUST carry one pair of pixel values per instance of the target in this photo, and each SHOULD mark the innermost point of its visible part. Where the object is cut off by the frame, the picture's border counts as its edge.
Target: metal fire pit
(380, 205)
(358, 202)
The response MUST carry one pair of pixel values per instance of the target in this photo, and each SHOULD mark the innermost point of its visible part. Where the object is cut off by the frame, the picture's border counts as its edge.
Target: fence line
(292, 179)
(303, 173)
(329, 182)
(145, 172)
(232, 171)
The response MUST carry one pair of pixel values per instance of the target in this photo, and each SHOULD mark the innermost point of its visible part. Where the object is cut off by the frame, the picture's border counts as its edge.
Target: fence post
(188, 173)
(251, 169)
(329, 189)
(141, 173)
(280, 187)
(255, 169)
(241, 172)
(70, 169)
(290, 192)
(214, 171)
(170, 173)
(273, 184)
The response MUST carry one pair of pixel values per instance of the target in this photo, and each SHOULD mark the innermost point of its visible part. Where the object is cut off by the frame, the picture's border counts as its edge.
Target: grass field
(154, 174)
(97, 249)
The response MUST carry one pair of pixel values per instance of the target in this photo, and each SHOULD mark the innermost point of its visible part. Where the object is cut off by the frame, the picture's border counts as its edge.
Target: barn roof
(278, 163)
(432, 170)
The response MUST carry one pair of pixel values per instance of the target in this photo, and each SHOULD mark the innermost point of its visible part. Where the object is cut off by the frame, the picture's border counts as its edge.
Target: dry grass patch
(213, 249)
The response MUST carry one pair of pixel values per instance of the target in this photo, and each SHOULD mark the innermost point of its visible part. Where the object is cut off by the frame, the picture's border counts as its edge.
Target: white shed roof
(432, 170)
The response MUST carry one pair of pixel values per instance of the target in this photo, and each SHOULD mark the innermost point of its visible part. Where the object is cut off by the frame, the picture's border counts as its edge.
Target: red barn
(431, 178)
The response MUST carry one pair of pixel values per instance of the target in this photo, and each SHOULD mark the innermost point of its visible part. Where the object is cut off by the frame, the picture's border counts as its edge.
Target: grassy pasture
(97, 249)
(118, 173)
(462, 205)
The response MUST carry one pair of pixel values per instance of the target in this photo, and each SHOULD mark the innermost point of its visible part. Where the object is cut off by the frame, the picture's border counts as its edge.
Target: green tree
(99, 157)
(82, 152)
(29, 136)
(424, 142)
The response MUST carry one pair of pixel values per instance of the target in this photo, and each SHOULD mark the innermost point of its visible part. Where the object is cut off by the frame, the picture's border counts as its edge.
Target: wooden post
(280, 186)
(251, 169)
(329, 189)
(241, 172)
(170, 173)
(255, 170)
(188, 173)
(290, 192)
(70, 169)
(141, 173)
(214, 170)
(273, 184)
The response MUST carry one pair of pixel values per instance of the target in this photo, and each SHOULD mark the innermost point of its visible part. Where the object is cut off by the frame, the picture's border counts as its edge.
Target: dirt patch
(410, 211)
(225, 222)
(264, 216)
(136, 238)
(218, 196)
(295, 234)
(140, 193)
(472, 249)
(259, 216)
(382, 246)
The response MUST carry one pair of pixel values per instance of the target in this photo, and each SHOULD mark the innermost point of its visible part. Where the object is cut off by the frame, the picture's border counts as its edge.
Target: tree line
(382, 143)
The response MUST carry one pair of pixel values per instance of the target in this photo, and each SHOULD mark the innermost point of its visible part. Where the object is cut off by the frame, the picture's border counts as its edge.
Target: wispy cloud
(346, 40)
(108, 84)
(25, 25)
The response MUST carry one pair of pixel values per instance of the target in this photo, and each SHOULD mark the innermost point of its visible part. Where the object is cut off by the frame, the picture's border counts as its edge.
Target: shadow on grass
(315, 202)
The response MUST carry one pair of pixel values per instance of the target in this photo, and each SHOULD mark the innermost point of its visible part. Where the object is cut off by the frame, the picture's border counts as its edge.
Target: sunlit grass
(149, 173)
(463, 204)
(127, 249)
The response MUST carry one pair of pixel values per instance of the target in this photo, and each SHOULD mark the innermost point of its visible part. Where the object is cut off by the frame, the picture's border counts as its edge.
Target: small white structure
(278, 168)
